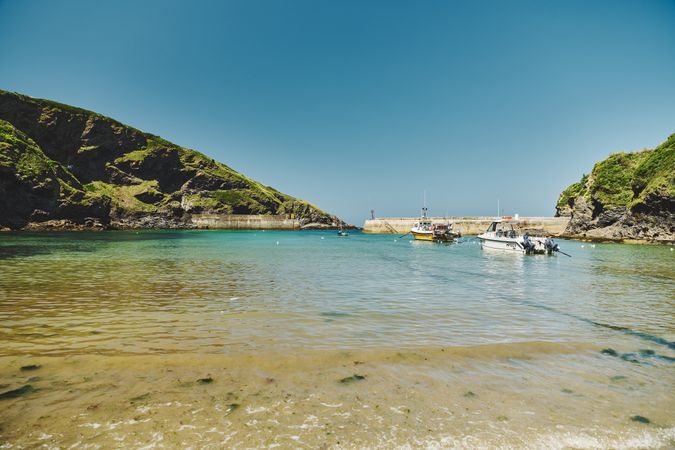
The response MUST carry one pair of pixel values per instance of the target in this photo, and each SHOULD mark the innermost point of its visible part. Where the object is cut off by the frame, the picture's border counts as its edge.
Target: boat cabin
(424, 224)
(500, 228)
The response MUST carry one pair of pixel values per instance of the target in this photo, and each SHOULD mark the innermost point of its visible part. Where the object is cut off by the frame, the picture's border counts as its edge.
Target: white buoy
(397, 241)
(321, 237)
(277, 242)
(582, 246)
(592, 245)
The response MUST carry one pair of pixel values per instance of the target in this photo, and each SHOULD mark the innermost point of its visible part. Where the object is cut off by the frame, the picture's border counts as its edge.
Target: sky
(359, 105)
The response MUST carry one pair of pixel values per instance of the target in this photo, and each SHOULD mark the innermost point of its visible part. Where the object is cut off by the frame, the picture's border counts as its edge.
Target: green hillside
(63, 162)
(627, 179)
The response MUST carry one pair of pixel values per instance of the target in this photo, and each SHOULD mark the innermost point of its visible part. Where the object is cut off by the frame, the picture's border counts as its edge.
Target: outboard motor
(550, 246)
(528, 245)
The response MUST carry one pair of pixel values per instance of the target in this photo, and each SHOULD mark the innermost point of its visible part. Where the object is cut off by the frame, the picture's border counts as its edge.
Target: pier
(244, 222)
(550, 226)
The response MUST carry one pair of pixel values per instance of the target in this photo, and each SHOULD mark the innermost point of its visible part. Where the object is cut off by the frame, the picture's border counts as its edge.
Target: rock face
(65, 167)
(628, 196)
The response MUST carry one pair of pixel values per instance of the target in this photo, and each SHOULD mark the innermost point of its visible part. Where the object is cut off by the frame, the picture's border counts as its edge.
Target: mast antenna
(424, 207)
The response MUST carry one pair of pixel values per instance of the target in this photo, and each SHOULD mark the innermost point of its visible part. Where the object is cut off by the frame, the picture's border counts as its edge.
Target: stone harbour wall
(244, 222)
(551, 226)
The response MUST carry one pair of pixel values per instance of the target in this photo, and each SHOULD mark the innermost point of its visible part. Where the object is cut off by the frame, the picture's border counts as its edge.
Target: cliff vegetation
(626, 196)
(68, 167)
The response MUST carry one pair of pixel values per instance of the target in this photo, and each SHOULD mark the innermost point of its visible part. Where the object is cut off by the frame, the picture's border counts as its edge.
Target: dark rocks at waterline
(630, 357)
(354, 378)
(23, 390)
(232, 407)
(642, 353)
(30, 367)
(139, 398)
(618, 378)
(640, 419)
(207, 380)
(669, 359)
(335, 314)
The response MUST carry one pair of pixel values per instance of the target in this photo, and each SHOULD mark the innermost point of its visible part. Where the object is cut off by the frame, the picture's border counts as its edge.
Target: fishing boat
(504, 234)
(342, 232)
(426, 230)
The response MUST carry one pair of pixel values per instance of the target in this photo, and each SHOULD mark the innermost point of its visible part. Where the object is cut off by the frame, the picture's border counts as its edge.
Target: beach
(260, 339)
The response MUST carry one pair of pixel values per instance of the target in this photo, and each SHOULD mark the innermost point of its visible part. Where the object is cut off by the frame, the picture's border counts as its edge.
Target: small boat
(504, 234)
(426, 230)
(342, 232)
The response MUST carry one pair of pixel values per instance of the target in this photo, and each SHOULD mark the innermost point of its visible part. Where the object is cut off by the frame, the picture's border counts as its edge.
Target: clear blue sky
(355, 105)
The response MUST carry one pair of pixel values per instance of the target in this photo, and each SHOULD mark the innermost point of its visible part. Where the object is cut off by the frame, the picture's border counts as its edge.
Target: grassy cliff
(631, 195)
(58, 162)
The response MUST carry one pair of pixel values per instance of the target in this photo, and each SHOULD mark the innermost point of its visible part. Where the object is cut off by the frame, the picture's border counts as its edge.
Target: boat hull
(422, 236)
(511, 245)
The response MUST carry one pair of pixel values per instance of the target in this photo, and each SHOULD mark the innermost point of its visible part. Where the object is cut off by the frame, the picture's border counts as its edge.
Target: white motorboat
(505, 235)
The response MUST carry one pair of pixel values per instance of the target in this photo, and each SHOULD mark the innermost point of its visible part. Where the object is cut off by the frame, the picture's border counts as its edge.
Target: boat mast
(424, 207)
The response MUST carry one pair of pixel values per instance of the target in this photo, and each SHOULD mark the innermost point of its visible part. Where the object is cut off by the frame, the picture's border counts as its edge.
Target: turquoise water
(315, 289)
(454, 346)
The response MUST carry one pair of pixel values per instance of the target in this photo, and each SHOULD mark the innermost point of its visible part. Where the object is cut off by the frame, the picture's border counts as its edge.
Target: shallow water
(457, 347)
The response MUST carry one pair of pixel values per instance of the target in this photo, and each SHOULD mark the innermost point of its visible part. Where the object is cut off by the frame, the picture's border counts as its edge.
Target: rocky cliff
(66, 167)
(628, 196)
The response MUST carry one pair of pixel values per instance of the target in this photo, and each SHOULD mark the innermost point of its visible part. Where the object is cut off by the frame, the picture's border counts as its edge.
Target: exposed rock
(640, 419)
(352, 379)
(628, 196)
(63, 167)
(14, 393)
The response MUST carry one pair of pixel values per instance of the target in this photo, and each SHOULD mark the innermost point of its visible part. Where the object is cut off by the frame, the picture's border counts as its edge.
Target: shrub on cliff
(634, 193)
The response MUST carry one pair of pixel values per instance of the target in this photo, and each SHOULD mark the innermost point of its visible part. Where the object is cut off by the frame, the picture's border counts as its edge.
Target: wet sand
(527, 395)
